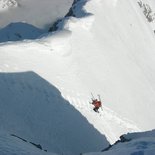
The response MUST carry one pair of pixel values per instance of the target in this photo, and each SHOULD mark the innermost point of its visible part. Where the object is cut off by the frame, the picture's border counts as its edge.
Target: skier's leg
(95, 109)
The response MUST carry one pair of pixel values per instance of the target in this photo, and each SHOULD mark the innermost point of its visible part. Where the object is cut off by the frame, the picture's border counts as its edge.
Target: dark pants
(96, 109)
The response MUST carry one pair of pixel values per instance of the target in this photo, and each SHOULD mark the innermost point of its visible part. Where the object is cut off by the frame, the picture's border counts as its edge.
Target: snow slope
(19, 31)
(133, 144)
(116, 43)
(10, 145)
(33, 109)
(25, 19)
(107, 51)
(37, 12)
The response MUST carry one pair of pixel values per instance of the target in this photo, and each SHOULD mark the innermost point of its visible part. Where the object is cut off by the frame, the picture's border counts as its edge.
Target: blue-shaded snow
(34, 109)
(19, 31)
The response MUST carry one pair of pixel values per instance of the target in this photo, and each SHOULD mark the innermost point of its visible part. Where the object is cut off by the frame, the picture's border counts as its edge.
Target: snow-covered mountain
(26, 19)
(10, 145)
(38, 13)
(105, 47)
(132, 144)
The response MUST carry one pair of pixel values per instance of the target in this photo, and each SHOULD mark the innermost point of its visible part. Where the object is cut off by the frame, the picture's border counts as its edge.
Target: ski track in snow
(106, 121)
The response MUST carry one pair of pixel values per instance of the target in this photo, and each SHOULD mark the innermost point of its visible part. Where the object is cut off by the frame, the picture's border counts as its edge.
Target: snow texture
(29, 19)
(135, 144)
(36, 111)
(10, 145)
(39, 13)
(19, 31)
(7, 4)
(105, 47)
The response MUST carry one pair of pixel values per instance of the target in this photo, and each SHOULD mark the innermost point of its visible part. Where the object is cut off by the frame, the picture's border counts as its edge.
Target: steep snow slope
(34, 110)
(132, 144)
(37, 12)
(113, 52)
(25, 19)
(10, 145)
(108, 51)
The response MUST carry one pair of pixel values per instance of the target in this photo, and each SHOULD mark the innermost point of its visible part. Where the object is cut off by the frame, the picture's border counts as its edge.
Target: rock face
(70, 13)
(7, 4)
(76, 10)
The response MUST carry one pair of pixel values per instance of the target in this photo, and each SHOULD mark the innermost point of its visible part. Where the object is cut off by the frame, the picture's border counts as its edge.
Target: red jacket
(97, 104)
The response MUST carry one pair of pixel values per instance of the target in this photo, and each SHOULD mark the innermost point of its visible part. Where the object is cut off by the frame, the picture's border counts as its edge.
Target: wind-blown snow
(107, 50)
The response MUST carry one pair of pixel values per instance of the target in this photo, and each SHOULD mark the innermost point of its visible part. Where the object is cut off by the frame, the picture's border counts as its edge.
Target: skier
(97, 104)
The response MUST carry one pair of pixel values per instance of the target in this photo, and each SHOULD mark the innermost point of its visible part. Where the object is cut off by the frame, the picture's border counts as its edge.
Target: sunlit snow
(107, 48)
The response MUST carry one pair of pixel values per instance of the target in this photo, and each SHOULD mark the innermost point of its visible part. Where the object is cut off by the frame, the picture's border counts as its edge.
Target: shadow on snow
(32, 108)
(19, 31)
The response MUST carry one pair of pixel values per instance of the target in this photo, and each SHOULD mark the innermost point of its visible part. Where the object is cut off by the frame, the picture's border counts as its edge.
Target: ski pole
(92, 96)
(99, 97)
